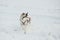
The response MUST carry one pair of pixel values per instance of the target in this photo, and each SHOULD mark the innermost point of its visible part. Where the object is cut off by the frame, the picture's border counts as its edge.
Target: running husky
(25, 20)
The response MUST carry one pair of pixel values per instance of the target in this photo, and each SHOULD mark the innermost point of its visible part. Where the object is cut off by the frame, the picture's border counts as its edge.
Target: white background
(45, 16)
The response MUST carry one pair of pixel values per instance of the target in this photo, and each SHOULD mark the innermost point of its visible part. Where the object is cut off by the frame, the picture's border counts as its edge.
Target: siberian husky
(25, 20)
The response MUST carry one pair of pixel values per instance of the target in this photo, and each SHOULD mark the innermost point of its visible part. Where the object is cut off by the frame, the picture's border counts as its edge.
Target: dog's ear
(27, 14)
(23, 13)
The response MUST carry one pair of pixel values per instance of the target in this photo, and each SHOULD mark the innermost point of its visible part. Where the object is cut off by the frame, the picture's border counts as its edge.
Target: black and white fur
(25, 20)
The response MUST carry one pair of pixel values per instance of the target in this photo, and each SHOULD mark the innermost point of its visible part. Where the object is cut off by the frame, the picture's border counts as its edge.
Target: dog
(25, 20)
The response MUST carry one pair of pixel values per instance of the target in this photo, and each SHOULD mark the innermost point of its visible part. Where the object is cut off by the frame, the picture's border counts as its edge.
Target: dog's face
(24, 15)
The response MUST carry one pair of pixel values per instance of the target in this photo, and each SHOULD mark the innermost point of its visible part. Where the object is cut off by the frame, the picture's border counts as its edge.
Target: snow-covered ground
(45, 16)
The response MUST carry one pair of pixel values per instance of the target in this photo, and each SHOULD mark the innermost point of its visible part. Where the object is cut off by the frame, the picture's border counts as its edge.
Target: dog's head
(24, 14)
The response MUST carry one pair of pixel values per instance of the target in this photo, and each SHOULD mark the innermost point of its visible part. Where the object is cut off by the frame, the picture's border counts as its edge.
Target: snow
(45, 24)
